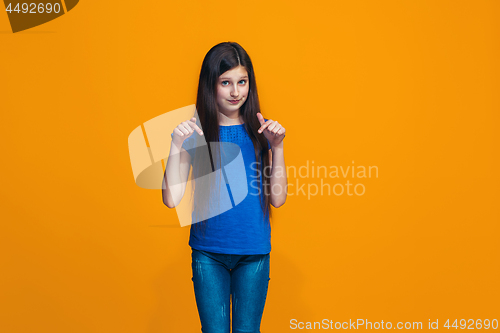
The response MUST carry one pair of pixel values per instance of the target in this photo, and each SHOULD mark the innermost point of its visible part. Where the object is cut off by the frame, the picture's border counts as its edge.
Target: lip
(234, 101)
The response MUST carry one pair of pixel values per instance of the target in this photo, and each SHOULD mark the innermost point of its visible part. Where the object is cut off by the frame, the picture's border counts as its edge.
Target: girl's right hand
(184, 130)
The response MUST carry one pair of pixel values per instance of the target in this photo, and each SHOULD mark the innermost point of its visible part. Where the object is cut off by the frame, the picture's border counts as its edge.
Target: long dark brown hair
(220, 59)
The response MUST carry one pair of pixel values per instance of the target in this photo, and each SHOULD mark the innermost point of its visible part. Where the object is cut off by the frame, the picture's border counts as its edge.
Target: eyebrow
(228, 78)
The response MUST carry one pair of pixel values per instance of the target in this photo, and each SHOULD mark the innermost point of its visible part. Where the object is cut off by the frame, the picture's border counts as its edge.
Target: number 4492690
(34, 8)
(472, 324)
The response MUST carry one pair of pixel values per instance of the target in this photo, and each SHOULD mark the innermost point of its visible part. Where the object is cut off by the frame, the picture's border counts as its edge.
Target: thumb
(261, 118)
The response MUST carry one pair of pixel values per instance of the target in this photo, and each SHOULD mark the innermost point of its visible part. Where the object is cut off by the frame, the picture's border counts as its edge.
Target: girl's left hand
(273, 131)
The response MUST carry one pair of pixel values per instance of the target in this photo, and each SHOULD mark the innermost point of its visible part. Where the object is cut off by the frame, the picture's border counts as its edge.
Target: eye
(244, 81)
(223, 83)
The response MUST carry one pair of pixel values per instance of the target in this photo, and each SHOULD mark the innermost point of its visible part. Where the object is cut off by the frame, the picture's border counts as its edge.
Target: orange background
(409, 86)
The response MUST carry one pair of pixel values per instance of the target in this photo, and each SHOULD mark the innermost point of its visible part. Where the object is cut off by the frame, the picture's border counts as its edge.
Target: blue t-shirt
(243, 229)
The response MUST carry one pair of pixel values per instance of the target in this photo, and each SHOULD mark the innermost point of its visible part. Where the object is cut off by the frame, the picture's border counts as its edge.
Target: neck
(227, 119)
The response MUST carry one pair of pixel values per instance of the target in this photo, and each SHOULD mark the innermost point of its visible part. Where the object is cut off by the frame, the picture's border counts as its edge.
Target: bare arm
(175, 177)
(279, 180)
(178, 164)
(274, 133)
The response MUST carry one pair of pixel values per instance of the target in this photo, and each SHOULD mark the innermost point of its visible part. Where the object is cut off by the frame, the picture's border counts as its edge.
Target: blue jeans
(221, 278)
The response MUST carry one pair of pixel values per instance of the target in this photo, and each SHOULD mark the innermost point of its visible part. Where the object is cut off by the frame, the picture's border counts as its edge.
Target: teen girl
(230, 251)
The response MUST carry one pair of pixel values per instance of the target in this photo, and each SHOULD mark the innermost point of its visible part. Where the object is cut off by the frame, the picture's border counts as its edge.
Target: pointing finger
(193, 125)
(261, 118)
(263, 127)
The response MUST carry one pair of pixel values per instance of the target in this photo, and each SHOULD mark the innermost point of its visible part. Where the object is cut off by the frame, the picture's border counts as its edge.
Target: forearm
(173, 187)
(278, 176)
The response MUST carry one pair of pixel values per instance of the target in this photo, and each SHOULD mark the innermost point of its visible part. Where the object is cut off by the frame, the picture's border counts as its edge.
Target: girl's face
(232, 90)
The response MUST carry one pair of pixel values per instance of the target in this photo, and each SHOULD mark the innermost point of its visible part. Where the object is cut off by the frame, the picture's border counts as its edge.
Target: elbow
(278, 199)
(172, 199)
(168, 201)
(278, 203)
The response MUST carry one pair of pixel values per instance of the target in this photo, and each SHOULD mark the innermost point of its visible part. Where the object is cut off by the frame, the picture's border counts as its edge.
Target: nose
(234, 91)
